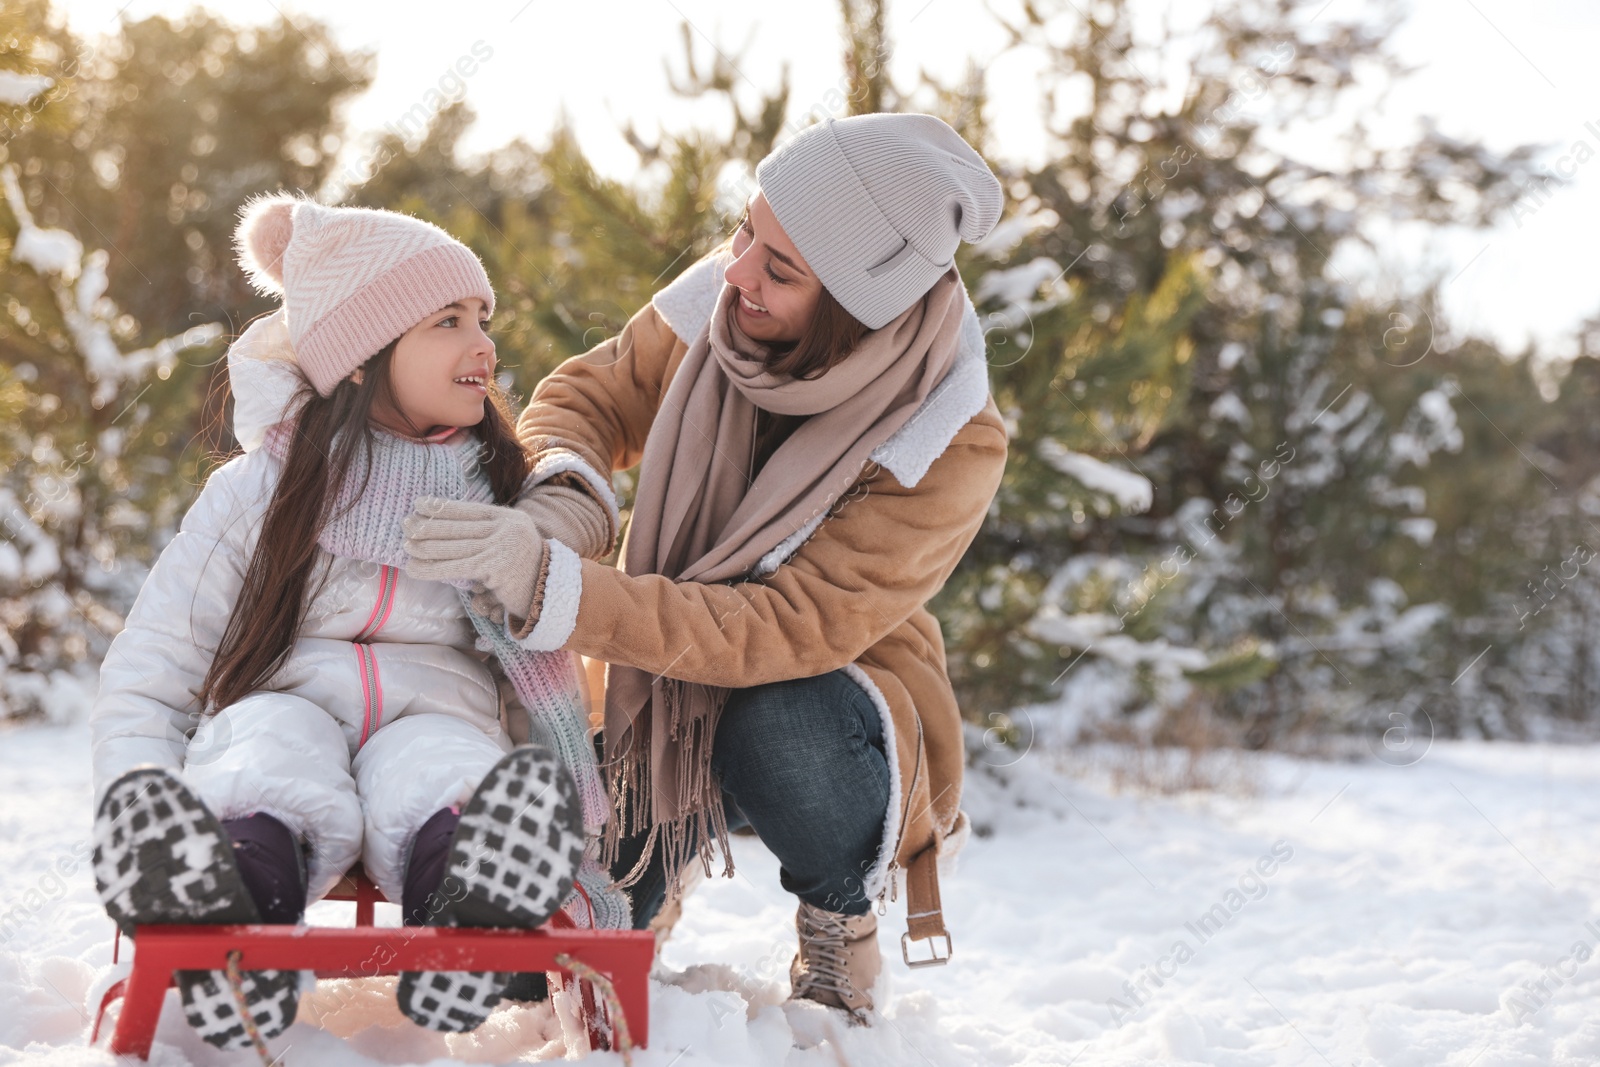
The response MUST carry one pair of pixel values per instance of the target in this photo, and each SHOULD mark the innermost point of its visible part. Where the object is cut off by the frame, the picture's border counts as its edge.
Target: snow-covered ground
(1348, 914)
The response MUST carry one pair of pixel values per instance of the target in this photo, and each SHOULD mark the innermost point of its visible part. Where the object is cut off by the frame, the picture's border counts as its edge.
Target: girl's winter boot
(160, 857)
(513, 858)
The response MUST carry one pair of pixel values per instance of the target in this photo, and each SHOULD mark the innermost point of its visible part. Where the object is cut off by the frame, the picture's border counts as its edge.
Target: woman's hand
(461, 541)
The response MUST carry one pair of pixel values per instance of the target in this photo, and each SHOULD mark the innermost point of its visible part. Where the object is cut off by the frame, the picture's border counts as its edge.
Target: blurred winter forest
(1250, 501)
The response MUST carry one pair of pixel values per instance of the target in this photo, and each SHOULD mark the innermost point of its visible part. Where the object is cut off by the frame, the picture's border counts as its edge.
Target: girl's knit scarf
(379, 491)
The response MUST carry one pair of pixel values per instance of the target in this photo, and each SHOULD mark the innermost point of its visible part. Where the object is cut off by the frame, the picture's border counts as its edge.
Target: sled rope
(608, 993)
(236, 983)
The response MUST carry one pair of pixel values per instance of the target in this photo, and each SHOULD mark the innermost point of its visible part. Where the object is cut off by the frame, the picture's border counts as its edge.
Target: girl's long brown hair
(273, 599)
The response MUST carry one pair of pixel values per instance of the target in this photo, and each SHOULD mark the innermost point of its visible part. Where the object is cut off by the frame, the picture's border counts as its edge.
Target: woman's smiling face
(441, 371)
(777, 292)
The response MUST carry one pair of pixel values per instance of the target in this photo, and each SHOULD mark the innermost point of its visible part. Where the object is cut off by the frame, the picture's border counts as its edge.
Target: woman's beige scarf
(699, 517)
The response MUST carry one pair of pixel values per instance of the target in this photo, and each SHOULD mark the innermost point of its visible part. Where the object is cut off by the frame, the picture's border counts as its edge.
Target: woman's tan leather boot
(838, 961)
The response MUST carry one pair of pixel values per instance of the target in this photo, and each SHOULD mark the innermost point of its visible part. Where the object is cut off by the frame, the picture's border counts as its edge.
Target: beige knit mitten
(458, 540)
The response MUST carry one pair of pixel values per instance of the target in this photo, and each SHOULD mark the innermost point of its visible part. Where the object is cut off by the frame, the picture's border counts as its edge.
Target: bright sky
(1505, 71)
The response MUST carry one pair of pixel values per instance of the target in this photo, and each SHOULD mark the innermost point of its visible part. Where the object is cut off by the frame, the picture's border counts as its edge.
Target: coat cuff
(564, 466)
(553, 613)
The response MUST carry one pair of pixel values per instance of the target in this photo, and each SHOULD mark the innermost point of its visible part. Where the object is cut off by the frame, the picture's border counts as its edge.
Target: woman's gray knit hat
(877, 205)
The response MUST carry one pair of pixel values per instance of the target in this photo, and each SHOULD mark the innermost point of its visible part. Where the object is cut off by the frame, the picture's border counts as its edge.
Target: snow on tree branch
(19, 90)
(1131, 492)
(79, 284)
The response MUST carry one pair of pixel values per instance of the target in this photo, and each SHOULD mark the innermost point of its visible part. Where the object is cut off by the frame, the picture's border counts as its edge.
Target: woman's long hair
(829, 339)
(273, 599)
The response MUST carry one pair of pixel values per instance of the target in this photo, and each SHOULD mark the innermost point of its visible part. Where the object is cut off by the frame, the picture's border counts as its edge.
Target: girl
(818, 447)
(285, 700)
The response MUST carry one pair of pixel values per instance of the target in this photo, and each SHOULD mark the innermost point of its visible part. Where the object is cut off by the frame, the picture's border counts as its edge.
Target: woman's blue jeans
(801, 763)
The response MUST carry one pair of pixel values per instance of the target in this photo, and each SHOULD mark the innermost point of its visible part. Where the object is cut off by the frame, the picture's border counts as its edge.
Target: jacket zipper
(371, 689)
(367, 657)
(387, 580)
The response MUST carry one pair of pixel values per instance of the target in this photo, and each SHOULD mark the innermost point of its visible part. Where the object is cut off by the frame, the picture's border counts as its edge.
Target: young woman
(818, 447)
(285, 700)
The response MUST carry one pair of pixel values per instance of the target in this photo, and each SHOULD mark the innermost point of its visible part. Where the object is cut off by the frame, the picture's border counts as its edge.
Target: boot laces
(823, 936)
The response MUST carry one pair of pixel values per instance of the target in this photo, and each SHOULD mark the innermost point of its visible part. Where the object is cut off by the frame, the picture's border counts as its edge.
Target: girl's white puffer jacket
(384, 712)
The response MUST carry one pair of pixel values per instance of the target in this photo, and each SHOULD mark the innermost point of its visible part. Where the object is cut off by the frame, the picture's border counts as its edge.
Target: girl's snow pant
(286, 757)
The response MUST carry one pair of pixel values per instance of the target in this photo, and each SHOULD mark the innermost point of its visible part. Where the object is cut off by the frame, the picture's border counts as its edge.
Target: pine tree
(144, 143)
(1171, 309)
(72, 492)
(1244, 490)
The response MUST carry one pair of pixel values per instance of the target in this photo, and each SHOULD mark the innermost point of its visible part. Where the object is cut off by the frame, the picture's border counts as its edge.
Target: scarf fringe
(701, 818)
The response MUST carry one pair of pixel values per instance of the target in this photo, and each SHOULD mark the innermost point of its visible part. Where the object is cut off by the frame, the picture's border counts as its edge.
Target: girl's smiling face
(777, 292)
(441, 371)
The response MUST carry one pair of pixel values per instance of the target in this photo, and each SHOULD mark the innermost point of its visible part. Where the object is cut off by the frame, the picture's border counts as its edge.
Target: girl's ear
(356, 375)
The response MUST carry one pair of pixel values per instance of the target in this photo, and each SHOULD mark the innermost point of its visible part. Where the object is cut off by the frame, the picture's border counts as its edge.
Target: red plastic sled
(366, 951)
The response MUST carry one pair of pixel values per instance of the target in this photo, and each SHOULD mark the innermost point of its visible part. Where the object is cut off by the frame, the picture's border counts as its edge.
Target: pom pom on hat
(265, 225)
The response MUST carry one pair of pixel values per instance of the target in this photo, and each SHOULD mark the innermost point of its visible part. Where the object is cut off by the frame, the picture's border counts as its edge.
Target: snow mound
(1352, 913)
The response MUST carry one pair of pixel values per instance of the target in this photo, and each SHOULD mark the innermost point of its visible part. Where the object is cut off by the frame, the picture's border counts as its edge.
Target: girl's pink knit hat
(352, 278)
